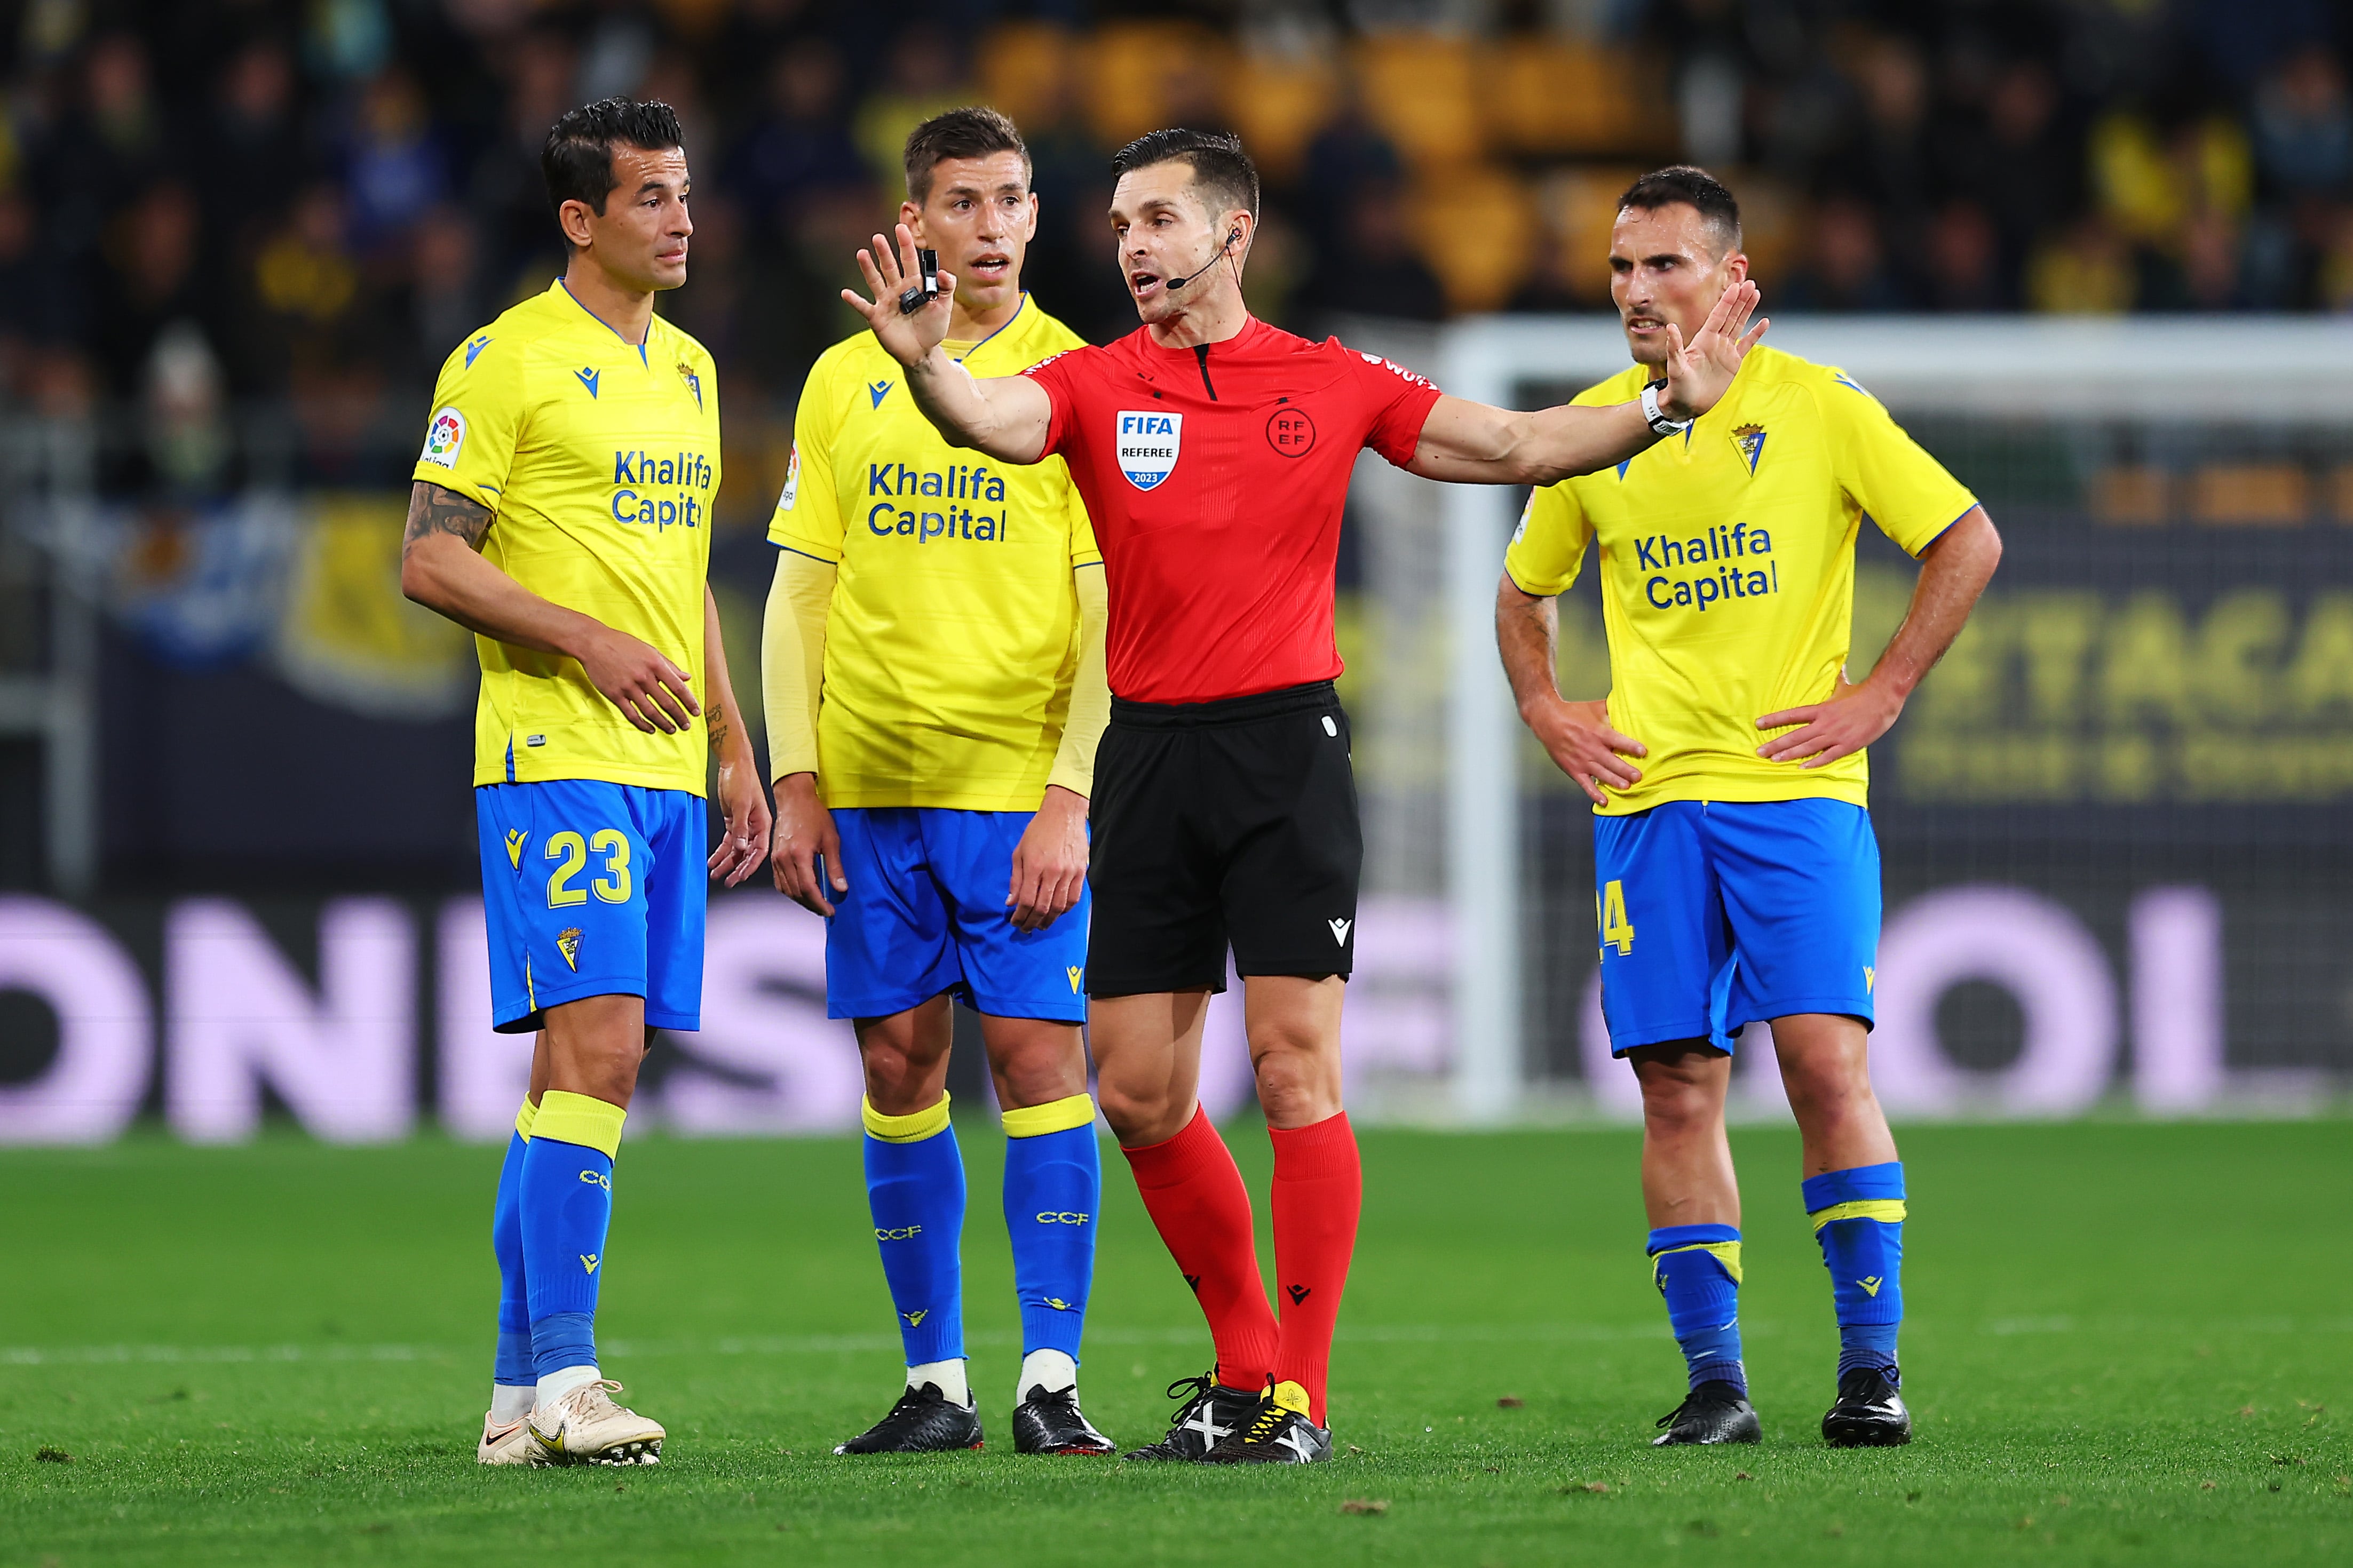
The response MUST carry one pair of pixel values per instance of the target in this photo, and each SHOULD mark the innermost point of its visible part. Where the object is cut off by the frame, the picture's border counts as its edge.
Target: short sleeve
(1903, 490)
(1399, 402)
(1084, 552)
(808, 509)
(1057, 375)
(1548, 548)
(478, 414)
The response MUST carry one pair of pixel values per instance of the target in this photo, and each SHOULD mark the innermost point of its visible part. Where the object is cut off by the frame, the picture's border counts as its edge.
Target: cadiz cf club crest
(694, 381)
(1750, 439)
(568, 940)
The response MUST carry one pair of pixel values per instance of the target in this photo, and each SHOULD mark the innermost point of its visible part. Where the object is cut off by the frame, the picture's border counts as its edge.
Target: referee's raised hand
(1700, 373)
(907, 336)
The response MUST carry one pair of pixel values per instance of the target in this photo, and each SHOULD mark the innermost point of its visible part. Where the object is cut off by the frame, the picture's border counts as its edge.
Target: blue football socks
(568, 1206)
(1697, 1268)
(1858, 1217)
(914, 1189)
(1053, 1190)
(512, 1367)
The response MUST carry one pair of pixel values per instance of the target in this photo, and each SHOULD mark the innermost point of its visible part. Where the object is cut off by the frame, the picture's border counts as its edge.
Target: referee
(1213, 452)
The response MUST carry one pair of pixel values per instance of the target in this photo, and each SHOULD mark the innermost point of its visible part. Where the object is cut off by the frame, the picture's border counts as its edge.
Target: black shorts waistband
(1225, 710)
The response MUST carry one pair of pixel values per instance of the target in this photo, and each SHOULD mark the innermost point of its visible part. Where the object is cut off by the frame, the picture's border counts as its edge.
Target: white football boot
(586, 1427)
(504, 1443)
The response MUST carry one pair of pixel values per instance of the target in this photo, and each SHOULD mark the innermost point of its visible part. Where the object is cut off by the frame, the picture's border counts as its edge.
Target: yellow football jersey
(598, 459)
(1728, 570)
(953, 636)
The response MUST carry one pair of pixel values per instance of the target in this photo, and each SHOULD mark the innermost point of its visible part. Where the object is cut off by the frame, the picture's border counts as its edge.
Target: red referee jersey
(1215, 478)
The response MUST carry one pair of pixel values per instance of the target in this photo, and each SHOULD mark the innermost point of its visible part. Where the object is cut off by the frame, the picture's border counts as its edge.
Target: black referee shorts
(1223, 822)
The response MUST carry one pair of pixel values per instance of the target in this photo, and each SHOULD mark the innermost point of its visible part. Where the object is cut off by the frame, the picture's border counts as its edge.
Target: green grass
(2127, 1344)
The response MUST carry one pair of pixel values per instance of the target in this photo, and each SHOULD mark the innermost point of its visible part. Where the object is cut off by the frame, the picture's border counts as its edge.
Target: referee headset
(1232, 237)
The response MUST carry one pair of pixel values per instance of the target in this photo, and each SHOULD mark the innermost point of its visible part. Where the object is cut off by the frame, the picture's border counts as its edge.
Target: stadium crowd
(221, 204)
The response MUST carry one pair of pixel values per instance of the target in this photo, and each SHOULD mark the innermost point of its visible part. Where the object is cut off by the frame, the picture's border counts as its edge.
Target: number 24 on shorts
(1609, 910)
(613, 887)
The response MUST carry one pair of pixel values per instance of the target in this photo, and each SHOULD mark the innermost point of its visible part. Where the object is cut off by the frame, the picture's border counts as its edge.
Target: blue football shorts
(925, 913)
(1715, 914)
(592, 890)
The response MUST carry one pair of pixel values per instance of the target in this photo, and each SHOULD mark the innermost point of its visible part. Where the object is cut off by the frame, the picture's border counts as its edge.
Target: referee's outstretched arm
(1006, 416)
(1471, 443)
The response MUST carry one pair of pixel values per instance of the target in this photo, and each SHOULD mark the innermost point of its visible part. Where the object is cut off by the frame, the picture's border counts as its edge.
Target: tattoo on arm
(716, 723)
(432, 510)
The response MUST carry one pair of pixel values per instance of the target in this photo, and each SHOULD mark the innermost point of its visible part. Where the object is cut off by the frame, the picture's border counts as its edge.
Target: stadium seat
(1577, 206)
(2132, 493)
(1477, 230)
(1550, 95)
(1134, 73)
(1278, 104)
(1422, 89)
(1025, 68)
(2273, 495)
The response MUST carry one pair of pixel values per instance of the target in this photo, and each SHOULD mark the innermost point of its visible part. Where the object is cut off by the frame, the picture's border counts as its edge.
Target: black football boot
(922, 1422)
(1868, 1412)
(1210, 1413)
(1276, 1434)
(1714, 1412)
(1052, 1423)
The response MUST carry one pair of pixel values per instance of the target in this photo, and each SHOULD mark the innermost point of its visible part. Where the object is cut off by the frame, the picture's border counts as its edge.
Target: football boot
(1714, 1412)
(1052, 1423)
(1210, 1413)
(505, 1442)
(924, 1421)
(1278, 1433)
(1868, 1412)
(587, 1427)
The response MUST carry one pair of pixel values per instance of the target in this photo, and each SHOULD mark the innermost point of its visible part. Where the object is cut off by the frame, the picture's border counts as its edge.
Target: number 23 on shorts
(1610, 912)
(613, 887)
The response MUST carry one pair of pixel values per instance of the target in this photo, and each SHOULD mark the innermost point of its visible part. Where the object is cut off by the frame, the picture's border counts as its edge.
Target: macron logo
(587, 379)
(877, 391)
(1340, 930)
(474, 349)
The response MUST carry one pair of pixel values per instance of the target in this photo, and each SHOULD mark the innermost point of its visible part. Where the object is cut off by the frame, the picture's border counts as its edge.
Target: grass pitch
(2126, 1344)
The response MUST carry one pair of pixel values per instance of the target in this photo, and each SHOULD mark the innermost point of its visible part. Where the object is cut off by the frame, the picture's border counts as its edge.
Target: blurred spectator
(305, 284)
(1964, 261)
(2016, 158)
(38, 307)
(1372, 271)
(1348, 154)
(507, 188)
(395, 169)
(153, 279)
(446, 300)
(116, 145)
(2303, 127)
(253, 152)
(798, 144)
(922, 78)
(1846, 267)
(187, 432)
(2087, 270)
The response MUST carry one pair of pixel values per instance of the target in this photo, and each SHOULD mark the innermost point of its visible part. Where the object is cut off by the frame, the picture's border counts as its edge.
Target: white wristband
(1660, 424)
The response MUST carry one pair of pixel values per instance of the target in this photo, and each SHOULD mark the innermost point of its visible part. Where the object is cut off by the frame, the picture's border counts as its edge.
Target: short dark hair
(1687, 185)
(973, 131)
(577, 162)
(1221, 169)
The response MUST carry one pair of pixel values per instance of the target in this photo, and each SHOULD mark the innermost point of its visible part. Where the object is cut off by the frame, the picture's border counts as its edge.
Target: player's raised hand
(906, 336)
(1049, 863)
(804, 855)
(637, 677)
(1700, 373)
(1584, 744)
(1852, 718)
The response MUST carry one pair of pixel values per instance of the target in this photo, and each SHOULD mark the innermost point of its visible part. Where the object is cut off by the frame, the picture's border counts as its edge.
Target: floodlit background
(2089, 250)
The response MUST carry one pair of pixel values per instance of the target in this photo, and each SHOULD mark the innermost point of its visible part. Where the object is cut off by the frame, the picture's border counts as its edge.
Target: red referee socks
(1198, 1204)
(1319, 1189)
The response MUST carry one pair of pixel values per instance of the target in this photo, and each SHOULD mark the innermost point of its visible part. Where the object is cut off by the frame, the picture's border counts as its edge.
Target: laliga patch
(1148, 441)
(444, 438)
(792, 490)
